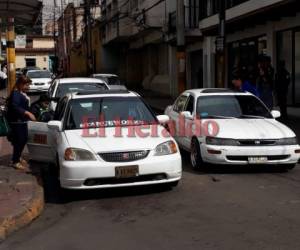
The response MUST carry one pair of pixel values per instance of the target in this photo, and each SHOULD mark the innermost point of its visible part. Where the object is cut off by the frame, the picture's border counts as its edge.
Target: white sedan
(40, 80)
(101, 141)
(63, 86)
(235, 128)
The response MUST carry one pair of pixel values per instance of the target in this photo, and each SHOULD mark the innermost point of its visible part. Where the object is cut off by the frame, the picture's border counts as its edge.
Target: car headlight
(166, 148)
(75, 154)
(221, 141)
(287, 141)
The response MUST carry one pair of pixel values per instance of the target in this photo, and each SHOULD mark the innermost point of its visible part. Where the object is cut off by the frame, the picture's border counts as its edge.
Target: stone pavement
(21, 195)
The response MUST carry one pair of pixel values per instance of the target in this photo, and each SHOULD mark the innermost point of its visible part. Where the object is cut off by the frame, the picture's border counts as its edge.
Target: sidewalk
(21, 195)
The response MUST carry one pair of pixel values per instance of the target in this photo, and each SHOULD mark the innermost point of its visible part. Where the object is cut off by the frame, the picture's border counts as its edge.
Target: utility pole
(88, 36)
(181, 53)
(11, 54)
(64, 36)
(221, 45)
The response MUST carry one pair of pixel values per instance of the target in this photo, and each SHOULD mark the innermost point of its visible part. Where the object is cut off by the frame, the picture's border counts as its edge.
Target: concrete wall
(43, 43)
(42, 60)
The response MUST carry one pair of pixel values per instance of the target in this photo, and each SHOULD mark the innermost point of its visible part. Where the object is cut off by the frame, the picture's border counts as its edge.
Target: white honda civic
(106, 139)
(221, 126)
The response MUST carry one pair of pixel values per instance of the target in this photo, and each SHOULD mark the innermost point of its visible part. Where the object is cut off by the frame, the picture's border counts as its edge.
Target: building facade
(35, 51)
(253, 28)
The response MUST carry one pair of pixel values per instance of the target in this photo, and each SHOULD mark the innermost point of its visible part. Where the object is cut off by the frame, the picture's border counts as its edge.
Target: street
(235, 208)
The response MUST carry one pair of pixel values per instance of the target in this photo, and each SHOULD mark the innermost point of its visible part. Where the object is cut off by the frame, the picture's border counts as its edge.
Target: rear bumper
(75, 175)
(276, 155)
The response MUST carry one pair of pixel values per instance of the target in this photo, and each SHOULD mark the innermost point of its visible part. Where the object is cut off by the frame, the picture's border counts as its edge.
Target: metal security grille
(124, 156)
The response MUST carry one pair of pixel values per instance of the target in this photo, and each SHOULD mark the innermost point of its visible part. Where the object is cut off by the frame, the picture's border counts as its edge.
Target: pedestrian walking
(18, 115)
(265, 82)
(282, 82)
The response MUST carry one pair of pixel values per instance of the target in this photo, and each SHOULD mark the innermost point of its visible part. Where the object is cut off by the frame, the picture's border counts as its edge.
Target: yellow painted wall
(43, 43)
(42, 60)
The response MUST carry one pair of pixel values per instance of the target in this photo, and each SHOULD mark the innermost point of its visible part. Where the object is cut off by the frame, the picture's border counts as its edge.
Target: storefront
(244, 53)
(288, 50)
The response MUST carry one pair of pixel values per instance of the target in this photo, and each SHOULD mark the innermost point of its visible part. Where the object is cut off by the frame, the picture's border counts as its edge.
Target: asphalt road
(249, 208)
(224, 208)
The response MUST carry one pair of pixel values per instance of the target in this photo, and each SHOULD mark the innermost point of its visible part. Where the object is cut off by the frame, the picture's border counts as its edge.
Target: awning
(25, 12)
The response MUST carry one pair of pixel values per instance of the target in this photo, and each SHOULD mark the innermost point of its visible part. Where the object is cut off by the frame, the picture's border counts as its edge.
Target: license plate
(126, 172)
(257, 160)
(40, 139)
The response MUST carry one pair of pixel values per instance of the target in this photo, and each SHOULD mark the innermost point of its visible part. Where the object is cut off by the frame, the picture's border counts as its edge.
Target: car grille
(270, 157)
(114, 181)
(124, 156)
(39, 83)
(257, 142)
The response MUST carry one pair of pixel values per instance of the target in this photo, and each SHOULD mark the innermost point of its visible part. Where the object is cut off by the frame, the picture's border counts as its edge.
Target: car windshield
(231, 106)
(64, 89)
(108, 112)
(39, 74)
(110, 80)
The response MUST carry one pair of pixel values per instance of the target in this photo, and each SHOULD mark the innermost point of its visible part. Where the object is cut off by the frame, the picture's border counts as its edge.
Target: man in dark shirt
(282, 81)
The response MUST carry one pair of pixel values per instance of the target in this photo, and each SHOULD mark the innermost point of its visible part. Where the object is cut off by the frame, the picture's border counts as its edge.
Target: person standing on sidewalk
(17, 115)
(282, 81)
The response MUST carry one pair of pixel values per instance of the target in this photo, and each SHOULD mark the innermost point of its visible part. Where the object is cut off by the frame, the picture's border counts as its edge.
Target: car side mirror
(55, 125)
(187, 115)
(163, 119)
(276, 114)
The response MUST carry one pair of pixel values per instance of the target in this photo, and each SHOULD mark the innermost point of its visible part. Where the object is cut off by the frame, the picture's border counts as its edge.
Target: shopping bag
(4, 127)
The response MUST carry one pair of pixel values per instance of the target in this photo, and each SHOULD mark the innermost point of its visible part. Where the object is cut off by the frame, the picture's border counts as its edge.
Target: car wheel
(196, 159)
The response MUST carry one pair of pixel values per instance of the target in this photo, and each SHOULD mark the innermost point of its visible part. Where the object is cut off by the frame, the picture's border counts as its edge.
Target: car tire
(195, 155)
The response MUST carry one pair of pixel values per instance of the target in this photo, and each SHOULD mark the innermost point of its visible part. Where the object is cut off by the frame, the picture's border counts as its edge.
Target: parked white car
(41, 80)
(247, 132)
(111, 80)
(84, 141)
(61, 87)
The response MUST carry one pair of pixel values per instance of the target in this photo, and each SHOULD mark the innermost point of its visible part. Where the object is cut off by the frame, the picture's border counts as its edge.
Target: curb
(31, 211)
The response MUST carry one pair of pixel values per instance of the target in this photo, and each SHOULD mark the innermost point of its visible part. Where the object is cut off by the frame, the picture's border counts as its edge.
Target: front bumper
(36, 88)
(232, 155)
(74, 175)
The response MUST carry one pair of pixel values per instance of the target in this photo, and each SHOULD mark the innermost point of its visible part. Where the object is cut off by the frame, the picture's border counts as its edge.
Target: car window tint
(39, 74)
(108, 112)
(59, 111)
(190, 104)
(180, 103)
(231, 106)
(64, 89)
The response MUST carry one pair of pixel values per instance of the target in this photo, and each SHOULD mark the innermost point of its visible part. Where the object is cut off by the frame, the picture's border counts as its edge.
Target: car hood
(41, 80)
(111, 143)
(252, 129)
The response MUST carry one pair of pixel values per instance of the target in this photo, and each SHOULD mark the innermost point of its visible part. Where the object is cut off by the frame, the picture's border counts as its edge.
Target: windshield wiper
(252, 116)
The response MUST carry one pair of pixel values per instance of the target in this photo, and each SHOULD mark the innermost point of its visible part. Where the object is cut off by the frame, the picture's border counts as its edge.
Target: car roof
(79, 80)
(214, 91)
(105, 75)
(103, 93)
(38, 70)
